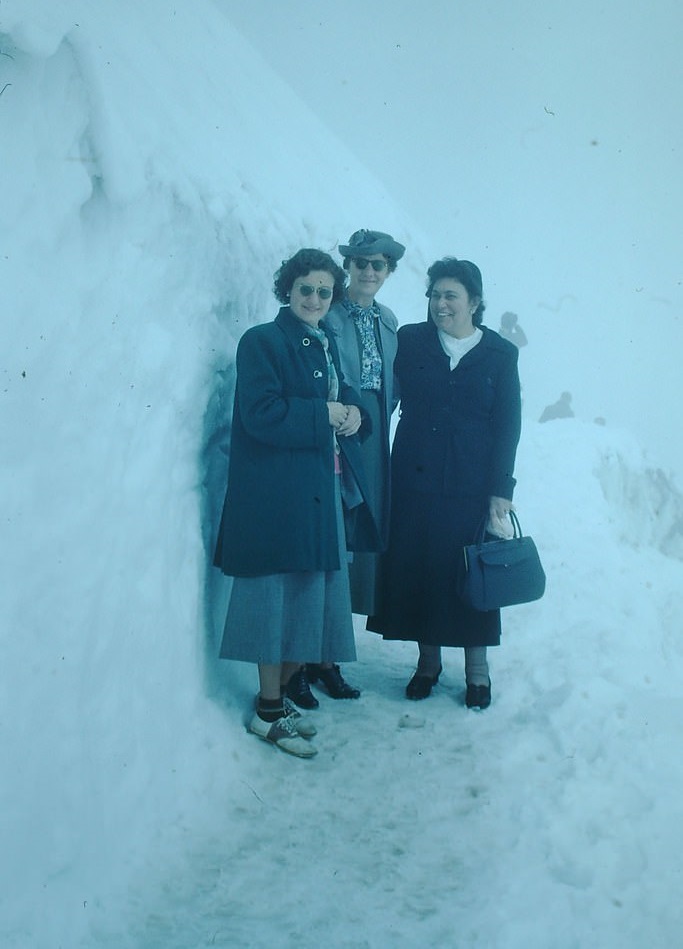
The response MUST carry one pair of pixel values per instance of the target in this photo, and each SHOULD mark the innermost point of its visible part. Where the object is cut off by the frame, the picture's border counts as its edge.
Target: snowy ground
(553, 820)
(544, 823)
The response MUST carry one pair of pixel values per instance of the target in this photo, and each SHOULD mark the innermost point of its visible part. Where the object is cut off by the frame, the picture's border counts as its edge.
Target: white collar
(456, 348)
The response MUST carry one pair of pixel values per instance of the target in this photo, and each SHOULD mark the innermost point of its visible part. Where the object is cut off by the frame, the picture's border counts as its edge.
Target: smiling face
(365, 282)
(308, 305)
(452, 308)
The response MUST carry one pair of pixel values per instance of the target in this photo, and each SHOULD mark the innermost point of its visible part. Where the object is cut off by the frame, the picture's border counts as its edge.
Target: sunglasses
(306, 290)
(377, 265)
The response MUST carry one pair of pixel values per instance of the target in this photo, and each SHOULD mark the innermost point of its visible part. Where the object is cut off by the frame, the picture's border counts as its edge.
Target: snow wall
(154, 174)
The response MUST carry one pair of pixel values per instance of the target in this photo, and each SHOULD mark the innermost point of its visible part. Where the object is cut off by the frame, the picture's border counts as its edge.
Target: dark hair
(466, 273)
(391, 262)
(302, 263)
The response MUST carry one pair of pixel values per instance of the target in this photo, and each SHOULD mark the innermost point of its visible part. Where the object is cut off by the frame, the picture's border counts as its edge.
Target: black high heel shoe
(478, 696)
(299, 691)
(337, 687)
(420, 686)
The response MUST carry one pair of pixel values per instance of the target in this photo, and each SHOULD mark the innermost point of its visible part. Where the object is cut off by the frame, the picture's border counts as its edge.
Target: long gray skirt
(363, 569)
(292, 617)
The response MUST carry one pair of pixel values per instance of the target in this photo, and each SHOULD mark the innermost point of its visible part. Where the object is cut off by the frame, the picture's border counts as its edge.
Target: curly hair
(301, 264)
(466, 273)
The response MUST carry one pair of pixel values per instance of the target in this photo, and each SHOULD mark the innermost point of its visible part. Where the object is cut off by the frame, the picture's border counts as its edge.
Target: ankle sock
(476, 666)
(270, 709)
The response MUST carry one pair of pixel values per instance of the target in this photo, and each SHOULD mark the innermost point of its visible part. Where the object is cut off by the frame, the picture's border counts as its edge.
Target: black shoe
(332, 679)
(478, 696)
(421, 686)
(299, 691)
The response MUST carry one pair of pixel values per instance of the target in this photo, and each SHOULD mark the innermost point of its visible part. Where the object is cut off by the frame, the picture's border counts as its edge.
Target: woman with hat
(452, 461)
(282, 534)
(365, 333)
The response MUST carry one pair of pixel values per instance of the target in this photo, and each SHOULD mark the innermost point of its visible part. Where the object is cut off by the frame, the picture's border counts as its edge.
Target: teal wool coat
(279, 511)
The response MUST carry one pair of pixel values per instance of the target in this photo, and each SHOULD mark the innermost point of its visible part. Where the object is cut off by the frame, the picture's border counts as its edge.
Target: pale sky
(540, 139)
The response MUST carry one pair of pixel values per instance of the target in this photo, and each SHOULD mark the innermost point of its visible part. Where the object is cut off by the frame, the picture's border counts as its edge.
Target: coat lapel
(433, 345)
(306, 350)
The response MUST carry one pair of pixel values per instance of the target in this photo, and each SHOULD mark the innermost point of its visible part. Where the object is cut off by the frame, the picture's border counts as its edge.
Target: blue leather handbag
(498, 573)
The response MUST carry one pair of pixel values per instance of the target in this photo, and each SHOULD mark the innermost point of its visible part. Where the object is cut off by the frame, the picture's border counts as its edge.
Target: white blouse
(456, 348)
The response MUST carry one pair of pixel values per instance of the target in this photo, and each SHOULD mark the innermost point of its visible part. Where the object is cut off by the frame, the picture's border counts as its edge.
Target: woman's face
(311, 296)
(365, 282)
(451, 307)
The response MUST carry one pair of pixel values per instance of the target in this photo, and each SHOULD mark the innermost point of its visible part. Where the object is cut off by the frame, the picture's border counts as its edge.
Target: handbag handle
(481, 530)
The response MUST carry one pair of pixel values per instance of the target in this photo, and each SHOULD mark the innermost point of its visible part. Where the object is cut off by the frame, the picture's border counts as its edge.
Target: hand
(352, 422)
(499, 521)
(337, 413)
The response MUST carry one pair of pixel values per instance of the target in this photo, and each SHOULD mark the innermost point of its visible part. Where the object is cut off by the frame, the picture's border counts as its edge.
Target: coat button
(317, 374)
(305, 341)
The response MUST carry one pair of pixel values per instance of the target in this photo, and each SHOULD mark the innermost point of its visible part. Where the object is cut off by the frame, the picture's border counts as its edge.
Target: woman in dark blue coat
(452, 466)
(294, 452)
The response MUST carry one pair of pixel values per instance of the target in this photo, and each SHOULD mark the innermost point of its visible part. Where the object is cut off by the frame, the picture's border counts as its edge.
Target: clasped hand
(344, 419)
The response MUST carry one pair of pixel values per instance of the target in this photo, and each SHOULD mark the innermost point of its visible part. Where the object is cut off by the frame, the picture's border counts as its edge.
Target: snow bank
(154, 175)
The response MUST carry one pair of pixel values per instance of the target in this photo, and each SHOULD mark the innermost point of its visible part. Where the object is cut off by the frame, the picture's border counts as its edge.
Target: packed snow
(154, 173)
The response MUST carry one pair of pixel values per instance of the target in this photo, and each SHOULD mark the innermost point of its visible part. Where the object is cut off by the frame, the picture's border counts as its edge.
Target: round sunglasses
(306, 290)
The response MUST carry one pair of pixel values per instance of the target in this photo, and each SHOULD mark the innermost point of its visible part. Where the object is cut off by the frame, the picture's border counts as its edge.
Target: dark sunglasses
(377, 265)
(306, 290)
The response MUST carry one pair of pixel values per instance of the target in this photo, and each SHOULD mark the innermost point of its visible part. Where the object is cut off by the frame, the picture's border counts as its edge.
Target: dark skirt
(417, 594)
(363, 569)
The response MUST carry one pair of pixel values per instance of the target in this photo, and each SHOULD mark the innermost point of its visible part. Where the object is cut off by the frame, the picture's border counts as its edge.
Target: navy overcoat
(279, 511)
(454, 448)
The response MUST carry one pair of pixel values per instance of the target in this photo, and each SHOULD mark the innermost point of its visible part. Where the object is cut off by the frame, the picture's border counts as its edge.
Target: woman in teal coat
(452, 466)
(294, 453)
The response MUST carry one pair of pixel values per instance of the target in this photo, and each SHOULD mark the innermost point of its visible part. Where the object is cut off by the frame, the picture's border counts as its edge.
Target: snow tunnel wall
(151, 184)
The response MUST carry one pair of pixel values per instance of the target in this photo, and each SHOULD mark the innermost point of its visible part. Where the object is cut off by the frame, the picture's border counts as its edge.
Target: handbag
(500, 573)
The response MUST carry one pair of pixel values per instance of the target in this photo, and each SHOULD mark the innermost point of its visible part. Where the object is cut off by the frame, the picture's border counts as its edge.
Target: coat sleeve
(506, 427)
(389, 335)
(267, 411)
(347, 394)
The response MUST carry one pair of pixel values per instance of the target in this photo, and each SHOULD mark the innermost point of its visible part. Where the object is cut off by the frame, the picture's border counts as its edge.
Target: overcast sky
(540, 139)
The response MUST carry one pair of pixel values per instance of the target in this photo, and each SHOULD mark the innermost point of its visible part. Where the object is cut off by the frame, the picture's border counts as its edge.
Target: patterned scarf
(364, 318)
(332, 378)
